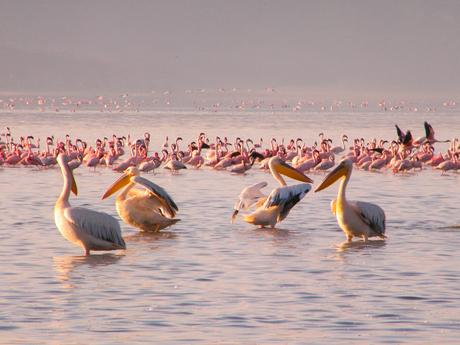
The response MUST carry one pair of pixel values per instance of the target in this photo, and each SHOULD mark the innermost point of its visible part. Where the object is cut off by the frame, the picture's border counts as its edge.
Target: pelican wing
(286, 198)
(158, 192)
(249, 196)
(143, 201)
(97, 224)
(371, 214)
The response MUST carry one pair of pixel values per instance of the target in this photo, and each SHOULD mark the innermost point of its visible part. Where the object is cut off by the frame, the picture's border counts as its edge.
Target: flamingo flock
(208, 100)
(148, 207)
(399, 155)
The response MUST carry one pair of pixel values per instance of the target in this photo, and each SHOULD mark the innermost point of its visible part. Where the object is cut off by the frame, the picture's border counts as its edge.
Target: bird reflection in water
(359, 245)
(275, 232)
(150, 236)
(65, 265)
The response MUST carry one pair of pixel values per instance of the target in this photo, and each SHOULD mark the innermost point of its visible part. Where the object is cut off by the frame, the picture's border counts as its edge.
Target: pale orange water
(206, 281)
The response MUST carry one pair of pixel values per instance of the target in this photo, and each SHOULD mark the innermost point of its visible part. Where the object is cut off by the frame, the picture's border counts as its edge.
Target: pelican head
(132, 171)
(340, 170)
(124, 180)
(277, 165)
(63, 161)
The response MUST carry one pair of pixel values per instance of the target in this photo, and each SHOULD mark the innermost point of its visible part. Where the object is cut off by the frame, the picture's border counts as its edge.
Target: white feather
(249, 196)
(371, 214)
(96, 224)
(287, 197)
(157, 191)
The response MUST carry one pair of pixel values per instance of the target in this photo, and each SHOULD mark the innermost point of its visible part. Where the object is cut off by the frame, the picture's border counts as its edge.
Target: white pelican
(149, 209)
(274, 208)
(87, 228)
(355, 218)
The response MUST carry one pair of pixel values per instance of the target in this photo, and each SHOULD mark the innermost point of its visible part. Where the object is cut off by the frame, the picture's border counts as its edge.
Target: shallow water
(207, 281)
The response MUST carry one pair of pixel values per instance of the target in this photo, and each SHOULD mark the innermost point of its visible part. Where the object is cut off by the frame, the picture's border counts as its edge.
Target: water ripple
(207, 281)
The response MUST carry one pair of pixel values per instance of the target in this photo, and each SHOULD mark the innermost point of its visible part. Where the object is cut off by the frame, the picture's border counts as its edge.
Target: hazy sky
(402, 48)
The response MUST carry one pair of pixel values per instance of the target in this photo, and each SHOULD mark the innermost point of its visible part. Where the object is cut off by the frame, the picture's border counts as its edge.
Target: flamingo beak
(73, 188)
(118, 184)
(333, 176)
(291, 172)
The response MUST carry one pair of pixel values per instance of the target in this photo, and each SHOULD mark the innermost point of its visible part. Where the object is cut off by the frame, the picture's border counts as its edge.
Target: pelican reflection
(359, 245)
(65, 265)
(150, 236)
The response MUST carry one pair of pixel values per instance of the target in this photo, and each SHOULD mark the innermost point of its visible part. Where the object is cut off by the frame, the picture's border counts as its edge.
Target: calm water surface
(207, 281)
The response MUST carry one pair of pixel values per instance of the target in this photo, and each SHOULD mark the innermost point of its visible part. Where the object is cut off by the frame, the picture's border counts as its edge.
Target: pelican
(274, 208)
(86, 228)
(149, 209)
(355, 218)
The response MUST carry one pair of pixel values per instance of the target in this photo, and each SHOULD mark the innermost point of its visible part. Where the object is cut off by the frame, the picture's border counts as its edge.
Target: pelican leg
(87, 253)
(365, 238)
(349, 238)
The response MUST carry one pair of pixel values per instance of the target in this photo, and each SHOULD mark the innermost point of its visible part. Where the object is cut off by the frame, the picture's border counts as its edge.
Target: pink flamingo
(311, 163)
